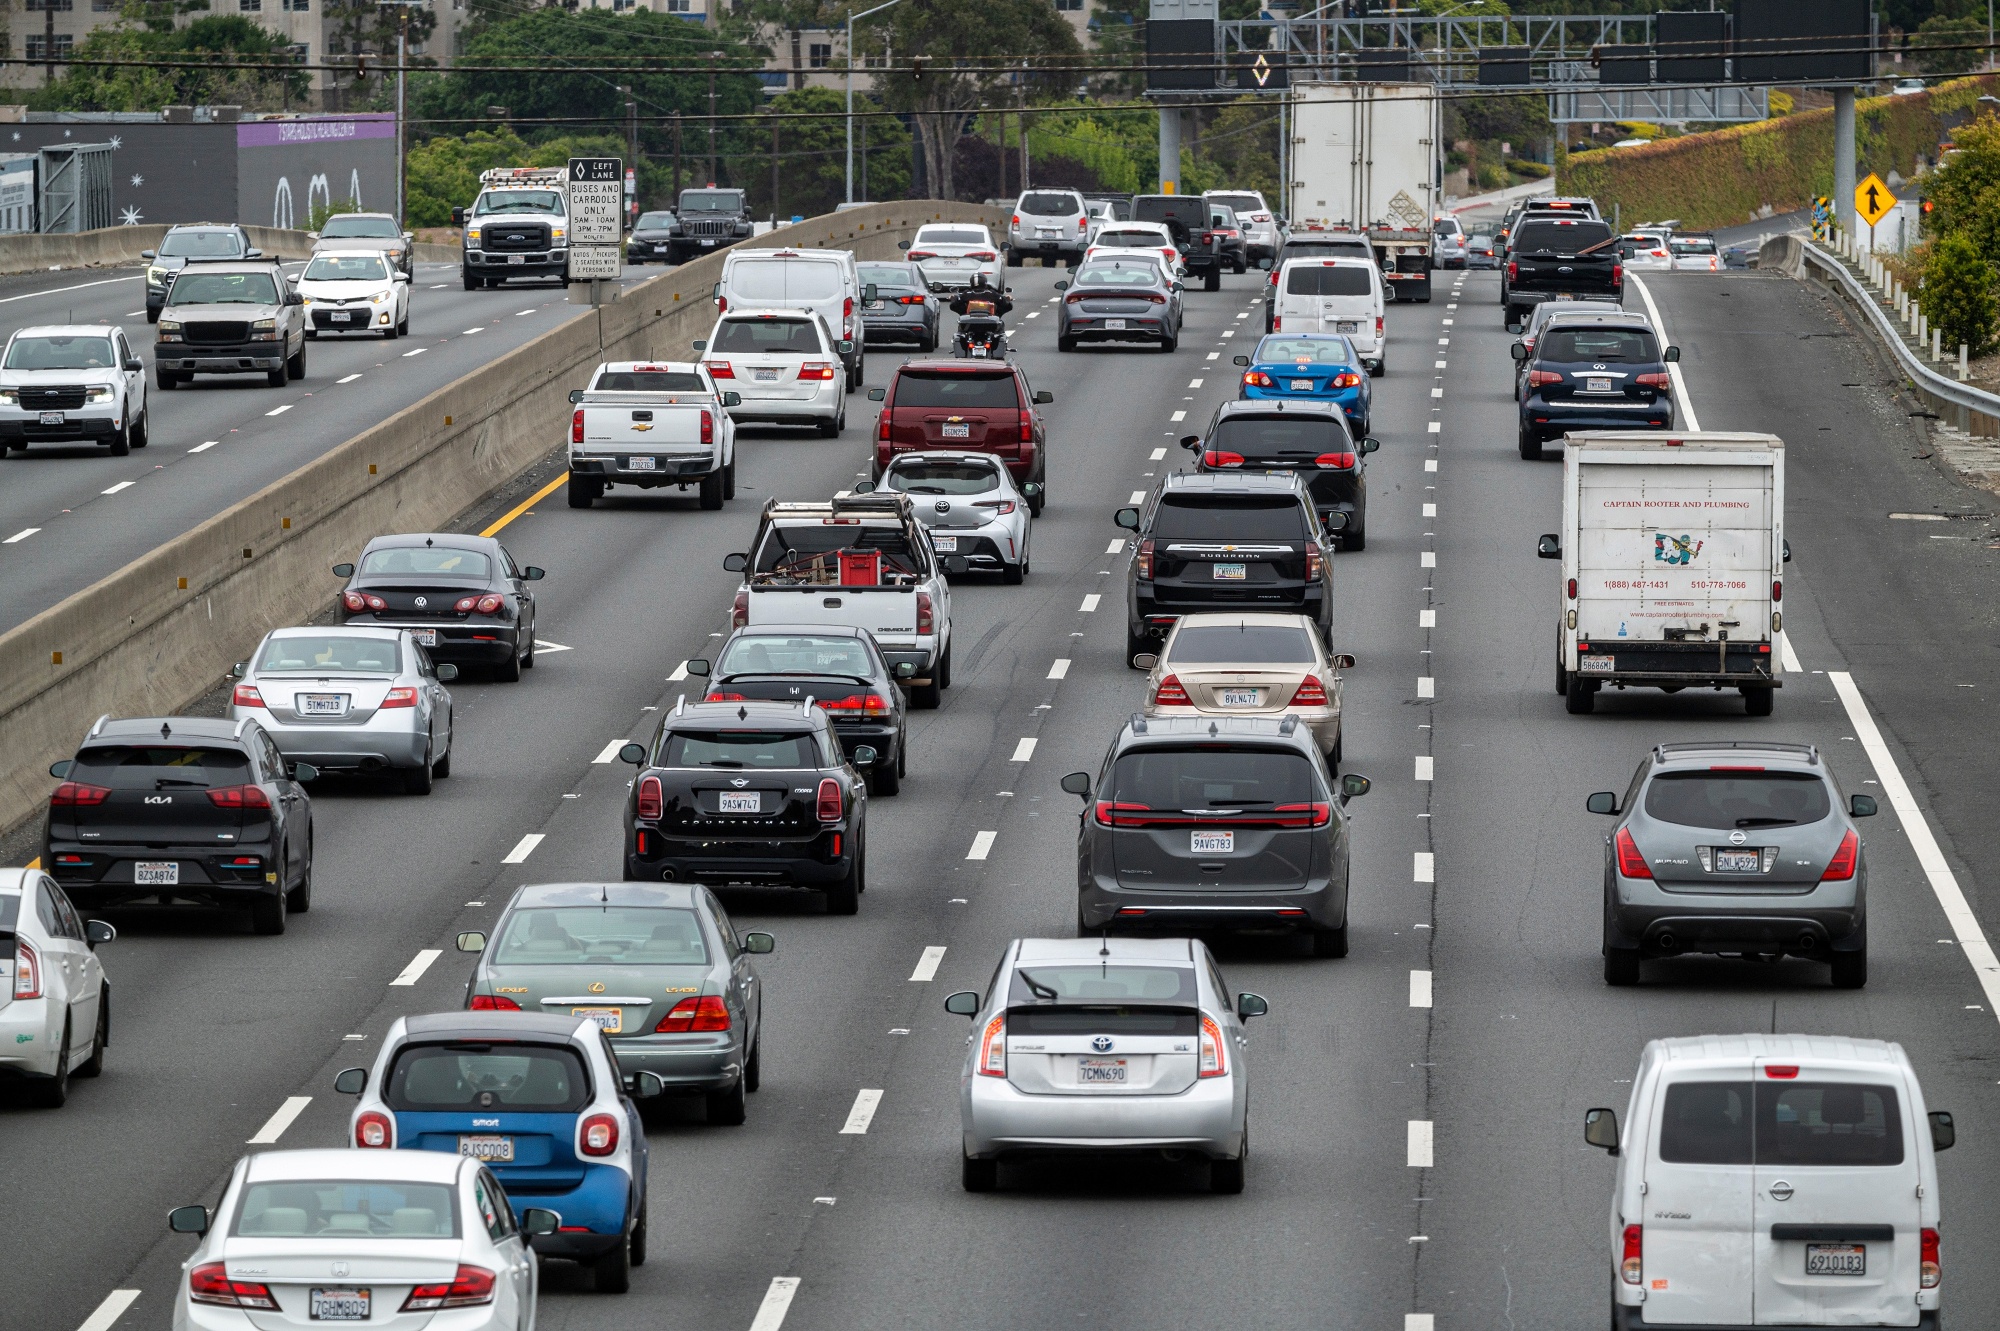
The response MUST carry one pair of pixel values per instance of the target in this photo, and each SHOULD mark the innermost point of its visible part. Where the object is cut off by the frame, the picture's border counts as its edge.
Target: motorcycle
(981, 337)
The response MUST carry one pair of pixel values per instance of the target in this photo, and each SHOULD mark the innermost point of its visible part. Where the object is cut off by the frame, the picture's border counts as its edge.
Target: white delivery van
(1774, 1181)
(1334, 295)
(823, 281)
(1673, 550)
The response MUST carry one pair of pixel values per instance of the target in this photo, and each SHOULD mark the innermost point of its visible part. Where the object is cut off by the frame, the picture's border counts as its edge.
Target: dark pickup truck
(1550, 257)
(1186, 218)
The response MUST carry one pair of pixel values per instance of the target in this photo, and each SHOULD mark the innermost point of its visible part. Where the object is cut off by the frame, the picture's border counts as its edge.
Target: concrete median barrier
(115, 245)
(165, 628)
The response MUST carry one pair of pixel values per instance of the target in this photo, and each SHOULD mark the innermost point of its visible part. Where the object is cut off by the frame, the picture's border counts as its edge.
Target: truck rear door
(648, 422)
(1694, 1235)
(890, 613)
(965, 411)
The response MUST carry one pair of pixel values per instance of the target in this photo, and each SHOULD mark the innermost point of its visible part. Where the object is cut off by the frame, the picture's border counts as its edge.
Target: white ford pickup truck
(649, 424)
(864, 561)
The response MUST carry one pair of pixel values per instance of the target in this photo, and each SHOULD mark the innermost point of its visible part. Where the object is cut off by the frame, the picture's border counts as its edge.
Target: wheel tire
(1170, 344)
(443, 767)
(725, 1108)
(267, 914)
(753, 1068)
(584, 490)
(831, 429)
(1226, 1176)
(1065, 344)
(1330, 942)
(51, 1092)
(844, 897)
(944, 669)
(471, 282)
(278, 378)
(1581, 700)
(1134, 644)
(152, 316)
(639, 1237)
(712, 486)
(509, 672)
(295, 366)
(389, 333)
(300, 899)
(1759, 702)
(142, 430)
(1351, 541)
(1013, 574)
(1212, 279)
(418, 780)
(1036, 503)
(120, 444)
(1562, 674)
(1850, 969)
(886, 778)
(1531, 447)
(100, 1037)
(403, 324)
(1621, 966)
(729, 479)
(613, 1271)
(1380, 368)
(528, 657)
(927, 697)
(312, 335)
(1013, 258)
(978, 1175)
(165, 380)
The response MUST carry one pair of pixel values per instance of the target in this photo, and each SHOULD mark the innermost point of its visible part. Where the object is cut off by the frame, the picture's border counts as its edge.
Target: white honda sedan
(55, 1004)
(390, 1239)
(355, 291)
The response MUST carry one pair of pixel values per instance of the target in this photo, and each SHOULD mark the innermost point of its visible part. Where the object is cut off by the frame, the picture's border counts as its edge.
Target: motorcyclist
(980, 309)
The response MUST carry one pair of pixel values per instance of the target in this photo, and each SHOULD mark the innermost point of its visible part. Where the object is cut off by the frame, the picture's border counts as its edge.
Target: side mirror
(96, 932)
(1265, 264)
(869, 293)
(648, 1086)
(458, 217)
(134, 365)
(1251, 1005)
(633, 753)
(575, 396)
(343, 570)
(905, 670)
(699, 344)
(400, 277)
(61, 767)
(1043, 397)
(877, 394)
(1600, 1129)
(1548, 546)
(698, 668)
(253, 254)
(472, 941)
(1353, 786)
(536, 1222)
(844, 347)
(716, 291)
(759, 943)
(735, 563)
(1343, 661)
(304, 772)
(1191, 442)
(863, 755)
(1944, 1135)
(862, 488)
(1788, 550)
(1145, 660)
(351, 1081)
(188, 1220)
(1517, 351)
(533, 574)
(902, 244)
(447, 672)
(1240, 360)
(149, 254)
(1031, 489)
(238, 670)
(1128, 518)
(1861, 806)
(1604, 801)
(732, 399)
(1062, 286)
(956, 564)
(1672, 354)
(964, 1003)
(1335, 521)
(1371, 444)
(1078, 784)
(1179, 287)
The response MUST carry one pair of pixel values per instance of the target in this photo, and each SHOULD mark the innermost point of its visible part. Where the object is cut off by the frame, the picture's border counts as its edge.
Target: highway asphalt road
(1475, 885)
(72, 515)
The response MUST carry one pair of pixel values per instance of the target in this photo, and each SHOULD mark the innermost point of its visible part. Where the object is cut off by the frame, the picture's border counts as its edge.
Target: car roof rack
(98, 726)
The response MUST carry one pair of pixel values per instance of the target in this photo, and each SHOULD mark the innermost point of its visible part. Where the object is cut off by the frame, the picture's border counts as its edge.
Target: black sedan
(903, 309)
(651, 239)
(462, 597)
(1594, 374)
(1310, 439)
(839, 668)
(1120, 300)
(747, 794)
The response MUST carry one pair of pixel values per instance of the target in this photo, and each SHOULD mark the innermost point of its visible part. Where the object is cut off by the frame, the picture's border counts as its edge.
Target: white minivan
(823, 281)
(1334, 295)
(1774, 1181)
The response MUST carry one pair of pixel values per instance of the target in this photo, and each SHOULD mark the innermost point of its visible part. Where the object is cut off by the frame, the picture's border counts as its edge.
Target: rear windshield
(766, 337)
(1539, 235)
(347, 268)
(741, 748)
(957, 391)
(347, 1209)
(1210, 777)
(1481, 241)
(1129, 274)
(60, 353)
(1323, 279)
(1239, 518)
(653, 222)
(606, 935)
(1445, 226)
(1327, 249)
(524, 1078)
(890, 275)
(428, 561)
(223, 289)
(379, 228)
(1249, 644)
(796, 654)
(1160, 209)
(1278, 439)
(807, 552)
(1694, 245)
(1795, 1123)
(1737, 799)
(1242, 203)
(1050, 205)
(649, 381)
(941, 478)
(348, 654)
(793, 281)
(1097, 1018)
(951, 236)
(1127, 240)
(160, 766)
(1318, 350)
(1058, 982)
(1594, 344)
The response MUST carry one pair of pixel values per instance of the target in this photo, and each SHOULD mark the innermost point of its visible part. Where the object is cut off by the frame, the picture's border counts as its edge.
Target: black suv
(1214, 824)
(1593, 373)
(200, 240)
(706, 220)
(182, 808)
(1309, 439)
(1188, 219)
(749, 795)
(1223, 542)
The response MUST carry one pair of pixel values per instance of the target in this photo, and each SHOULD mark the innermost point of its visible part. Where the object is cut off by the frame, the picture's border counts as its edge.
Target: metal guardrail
(1937, 385)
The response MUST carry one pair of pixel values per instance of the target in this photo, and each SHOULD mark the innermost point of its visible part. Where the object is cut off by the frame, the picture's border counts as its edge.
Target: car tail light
(1632, 1268)
(1781, 1071)
(485, 605)
(926, 614)
(576, 426)
(1346, 379)
(1630, 862)
(1256, 379)
(210, 1283)
(1121, 815)
(1314, 814)
(1212, 1061)
(868, 704)
(1083, 223)
(1618, 273)
(1310, 693)
(1274, 278)
(921, 254)
(728, 697)
(1145, 561)
(1172, 693)
(356, 602)
(399, 697)
(1315, 561)
(847, 308)
(909, 300)
(239, 797)
(720, 369)
(1777, 589)
(993, 1048)
(1219, 458)
(77, 792)
(813, 369)
(1378, 325)
(1277, 323)
(707, 1013)
(1536, 378)
(984, 256)
(373, 1130)
(1663, 382)
(1334, 461)
(722, 304)
(1572, 589)
(27, 970)
(1016, 221)
(1841, 867)
(830, 801)
(1932, 1273)
(1514, 270)
(246, 695)
(882, 426)
(1001, 507)
(1027, 427)
(492, 1003)
(652, 801)
(471, 1286)
(597, 1135)
(707, 428)
(739, 610)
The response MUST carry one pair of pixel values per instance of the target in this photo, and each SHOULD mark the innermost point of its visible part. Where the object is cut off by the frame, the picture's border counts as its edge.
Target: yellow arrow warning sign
(1873, 199)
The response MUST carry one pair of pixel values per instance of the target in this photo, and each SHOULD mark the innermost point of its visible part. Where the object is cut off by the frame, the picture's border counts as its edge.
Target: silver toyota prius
(1114, 1045)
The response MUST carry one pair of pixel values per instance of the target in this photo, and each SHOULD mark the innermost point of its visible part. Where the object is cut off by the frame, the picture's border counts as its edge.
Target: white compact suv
(73, 384)
(785, 365)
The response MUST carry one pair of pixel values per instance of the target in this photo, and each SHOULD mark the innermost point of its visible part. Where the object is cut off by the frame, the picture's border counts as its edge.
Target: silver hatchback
(971, 505)
(1119, 1045)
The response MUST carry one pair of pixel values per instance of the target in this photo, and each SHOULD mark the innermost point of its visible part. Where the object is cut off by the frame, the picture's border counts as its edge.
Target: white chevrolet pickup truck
(864, 561)
(649, 424)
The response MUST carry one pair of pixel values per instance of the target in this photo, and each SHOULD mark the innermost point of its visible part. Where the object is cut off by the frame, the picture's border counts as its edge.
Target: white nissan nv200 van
(1335, 295)
(1774, 1181)
(823, 281)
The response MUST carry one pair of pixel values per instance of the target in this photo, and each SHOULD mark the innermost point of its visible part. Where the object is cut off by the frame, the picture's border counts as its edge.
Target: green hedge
(1726, 177)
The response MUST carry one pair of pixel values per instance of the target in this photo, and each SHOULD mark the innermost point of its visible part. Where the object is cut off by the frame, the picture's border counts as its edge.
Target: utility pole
(851, 17)
(632, 149)
(677, 159)
(402, 84)
(774, 171)
(713, 56)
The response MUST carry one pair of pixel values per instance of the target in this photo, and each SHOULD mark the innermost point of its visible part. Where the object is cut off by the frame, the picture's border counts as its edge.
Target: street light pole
(850, 89)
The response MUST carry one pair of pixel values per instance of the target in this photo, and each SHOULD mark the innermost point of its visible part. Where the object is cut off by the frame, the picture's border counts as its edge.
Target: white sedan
(969, 502)
(354, 291)
(949, 253)
(386, 1238)
(1121, 238)
(55, 1004)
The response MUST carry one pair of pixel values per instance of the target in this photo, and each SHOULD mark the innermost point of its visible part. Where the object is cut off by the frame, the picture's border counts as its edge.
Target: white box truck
(1673, 550)
(1367, 158)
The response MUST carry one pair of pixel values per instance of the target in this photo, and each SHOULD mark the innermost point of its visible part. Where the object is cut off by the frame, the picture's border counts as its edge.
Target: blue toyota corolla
(1319, 367)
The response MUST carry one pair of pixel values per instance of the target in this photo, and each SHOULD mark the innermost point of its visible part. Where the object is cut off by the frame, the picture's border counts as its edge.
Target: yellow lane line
(526, 504)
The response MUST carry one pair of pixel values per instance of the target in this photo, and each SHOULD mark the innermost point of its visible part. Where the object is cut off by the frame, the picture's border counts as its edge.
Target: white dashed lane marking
(348, 380)
(1059, 668)
(1426, 686)
(777, 1302)
(1427, 619)
(1430, 510)
(524, 848)
(418, 352)
(1430, 464)
(1428, 559)
(1178, 416)
(1116, 547)
(1024, 749)
(1089, 605)
(1420, 988)
(1156, 455)
(982, 845)
(1423, 767)
(415, 970)
(1420, 1153)
(204, 446)
(1138, 497)
(1425, 869)
(122, 485)
(279, 411)
(863, 1113)
(274, 1126)
(927, 966)
(1437, 427)
(680, 673)
(609, 753)
(20, 535)
(115, 1303)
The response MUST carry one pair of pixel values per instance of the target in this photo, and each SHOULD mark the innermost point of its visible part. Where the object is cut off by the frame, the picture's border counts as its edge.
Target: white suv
(1053, 223)
(73, 383)
(785, 365)
(1260, 224)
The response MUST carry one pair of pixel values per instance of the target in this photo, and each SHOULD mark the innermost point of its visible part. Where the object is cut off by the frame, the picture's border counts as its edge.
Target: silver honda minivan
(1052, 223)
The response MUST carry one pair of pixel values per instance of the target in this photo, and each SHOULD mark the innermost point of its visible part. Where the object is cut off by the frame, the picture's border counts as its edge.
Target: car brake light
(993, 1048)
(246, 695)
(869, 704)
(921, 254)
(576, 426)
(597, 1135)
(1083, 223)
(1777, 590)
(1632, 1269)
(1016, 221)
(1211, 1062)
(1781, 1071)
(1334, 461)
(1027, 427)
(399, 697)
(1514, 270)
(356, 602)
(1274, 278)
(1220, 458)
(926, 616)
(1346, 379)
(1932, 1272)
(882, 426)
(1841, 867)
(1310, 693)
(1277, 323)
(831, 802)
(373, 1130)
(720, 369)
(1172, 693)
(1256, 379)
(239, 797)
(707, 1013)
(1316, 814)
(485, 605)
(707, 428)
(1145, 562)
(1662, 382)
(652, 800)
(27, 970)
(1001, 507)
(1618, 273)
(471, 1286)
(813, 369)
(1572, 589)
(77, 792)
(492, 1003)
(722, 304)
(984, 256)
(729, 697)
(1630, 862)
(210, 1283)
(739, 610)
(1378, 325)
(909, 300)
(1536, 378)
(1315, 561)
(847, 308)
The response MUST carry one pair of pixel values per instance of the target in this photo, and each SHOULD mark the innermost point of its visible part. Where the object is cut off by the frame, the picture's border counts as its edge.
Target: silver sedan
(970, 503)
(1114, 1045)
(351, 699)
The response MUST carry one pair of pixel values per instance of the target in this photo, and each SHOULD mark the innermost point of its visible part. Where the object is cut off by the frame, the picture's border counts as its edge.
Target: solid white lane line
(1420, 1153)
(524, 848)
(1425, 870)
(863, 1113)
(1138, 497)
(118, 1300)
(1059, 667)
(415, 970)
(1177, 416)
(1089, 604)
(927, 966)
(680, 673)
(1688, 418)
(274, 1126)
(418, 352)
(1430, 510)
(1024, 749)
(205, 446)
(348, 380)
(279, 411)
(20, 535)
(1427, 686)
(1156, 455)
(1420, 988)
(1791, 658)
(1423, 767)
(1428, 559)
(470, 331)
(1944, 883)
(609, 753)
(122, 485)
(982, 845)
(777, 1302)
(57, 291)
(1116, 547)
(1427, 619)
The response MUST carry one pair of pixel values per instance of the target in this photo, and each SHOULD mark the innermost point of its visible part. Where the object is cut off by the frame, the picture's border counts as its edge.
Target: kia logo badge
(1101, 1043)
